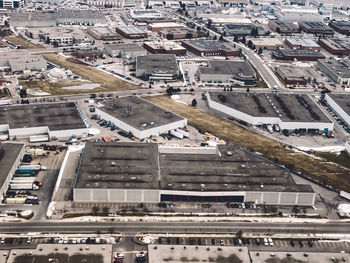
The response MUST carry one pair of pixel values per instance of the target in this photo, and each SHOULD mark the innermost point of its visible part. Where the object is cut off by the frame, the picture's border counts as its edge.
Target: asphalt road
(132, 228)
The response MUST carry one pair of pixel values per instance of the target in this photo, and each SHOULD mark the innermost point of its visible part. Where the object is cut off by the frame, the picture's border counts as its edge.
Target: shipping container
(35, 167)
(24, 187)
(15, 200)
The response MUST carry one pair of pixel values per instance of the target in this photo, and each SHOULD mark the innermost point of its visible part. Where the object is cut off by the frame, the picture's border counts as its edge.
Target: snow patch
(335, 148)
(344, 209)
(94, 131)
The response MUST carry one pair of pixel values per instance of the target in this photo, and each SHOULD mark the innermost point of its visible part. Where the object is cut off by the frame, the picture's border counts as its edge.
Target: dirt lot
(107, 81)
(319, 169)
(24, 43)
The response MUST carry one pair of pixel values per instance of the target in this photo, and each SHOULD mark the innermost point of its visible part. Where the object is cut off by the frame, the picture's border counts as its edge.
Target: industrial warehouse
(234, 72)
(56, 120)
(202, 48)
(10, 157)
(289, 112)
(138, 117)
(340, 104)
(138, 172)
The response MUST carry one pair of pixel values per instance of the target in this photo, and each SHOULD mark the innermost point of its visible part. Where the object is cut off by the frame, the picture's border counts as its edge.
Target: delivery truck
(24, 186)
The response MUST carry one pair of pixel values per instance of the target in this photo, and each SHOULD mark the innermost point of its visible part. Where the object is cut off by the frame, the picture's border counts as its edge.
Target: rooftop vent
(229, 153)
(113, 164)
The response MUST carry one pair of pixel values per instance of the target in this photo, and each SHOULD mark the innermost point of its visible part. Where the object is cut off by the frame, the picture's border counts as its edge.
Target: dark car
(292, 243)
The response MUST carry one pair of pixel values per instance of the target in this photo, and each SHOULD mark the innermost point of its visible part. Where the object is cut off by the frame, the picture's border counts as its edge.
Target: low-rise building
(161, 26)
(157, 67)
(225, 71)
(289, 111)
(336, 46)
(337, 70)
(180, 33)
(11, 4)
(164, 47)
(11, 155)
(266, 43)
(129, 50)
(292, 75)
(342, 27)
(124, 172)
(317, 28)
(281, 27)
(89, 53)
(202, 47)
(103, 33)
(302, 43)
(300, 55)
(139, 117)
(340, 104)
(244, 30)
(131, 32)
(57, 120)
(19, 62)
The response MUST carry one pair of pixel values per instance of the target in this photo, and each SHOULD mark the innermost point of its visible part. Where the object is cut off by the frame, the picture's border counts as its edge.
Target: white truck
(15, 200)
(35, 167)
(17, 180)
(23, 186)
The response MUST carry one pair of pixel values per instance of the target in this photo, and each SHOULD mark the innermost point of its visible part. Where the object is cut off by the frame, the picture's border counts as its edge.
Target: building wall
(153, 196)
(26, 132)
(69, 133)
(142, 134)
(6, 183)
(306, 125)
(338, 109)
(333, 50)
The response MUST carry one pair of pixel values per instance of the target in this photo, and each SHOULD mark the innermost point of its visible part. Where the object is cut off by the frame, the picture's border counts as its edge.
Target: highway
(131, 228)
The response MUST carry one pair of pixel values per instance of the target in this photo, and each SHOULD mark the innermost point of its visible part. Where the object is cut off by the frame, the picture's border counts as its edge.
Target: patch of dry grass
(24, 43)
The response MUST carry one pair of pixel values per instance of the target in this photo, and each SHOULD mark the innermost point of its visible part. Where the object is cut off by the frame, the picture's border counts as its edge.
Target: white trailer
(36, 151)
(345, 195)
(39, 138)
(24, 186)
(35, 167)
(184, 133)
(176, 134)
(15, 200)
(17, 180)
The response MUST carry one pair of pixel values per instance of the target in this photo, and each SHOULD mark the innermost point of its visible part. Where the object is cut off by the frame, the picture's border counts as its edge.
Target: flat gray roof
(8, 155)
(306, 42)
(340, 67)
(57, 116)
(123, 165)
(125, 47)
(158, 64)
(139, 113)
(239, 69)
(289, 108)
(343, 100)
(207, 45)
(131, 30)
(118, 165)
(337, 43)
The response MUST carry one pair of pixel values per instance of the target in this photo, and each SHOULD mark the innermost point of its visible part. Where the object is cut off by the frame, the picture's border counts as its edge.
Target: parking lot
(260, 243)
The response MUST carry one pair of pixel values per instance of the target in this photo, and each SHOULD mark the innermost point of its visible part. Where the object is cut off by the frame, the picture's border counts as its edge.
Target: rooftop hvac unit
(113, 163)
(132, 178)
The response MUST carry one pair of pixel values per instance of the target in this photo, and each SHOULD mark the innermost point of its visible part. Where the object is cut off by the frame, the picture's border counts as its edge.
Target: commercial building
(337, 70)
(164, 47)
(266, 43)
(292, 75)
(202, 47)
(157, 67)
(154, 27)
(300, 55)
(149, 173)
(336, 46)
(57, 36)
(342, 27)
(11, 4)
(20, 61)
(103, 33)
(340, 104)
(139, 117)
(89, 53)
(106, 3)
(62, 16)
(289, 112)
(317, 28)
(131, 32)
(129, 50)
(57, 120)
(180, 33)
(295, 13)
(11, 155)
(302, 43)
(142, 14)
(234, 72)
(283, 27)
